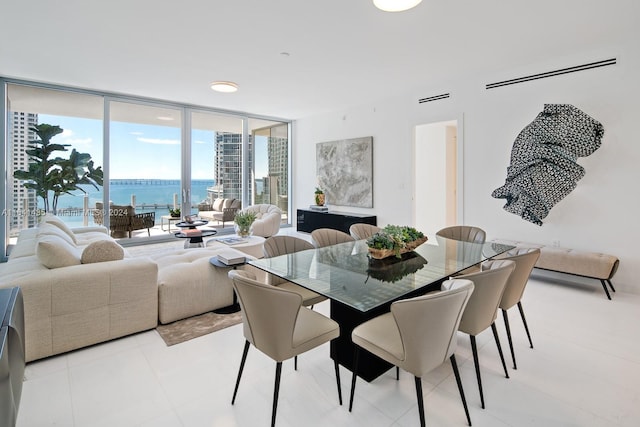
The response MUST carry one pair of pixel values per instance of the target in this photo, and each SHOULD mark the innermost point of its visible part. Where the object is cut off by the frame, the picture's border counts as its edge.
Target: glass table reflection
(361, 288)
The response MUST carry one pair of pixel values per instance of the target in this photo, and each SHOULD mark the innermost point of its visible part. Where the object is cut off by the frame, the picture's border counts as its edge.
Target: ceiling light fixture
(226, 87)
(395, 5)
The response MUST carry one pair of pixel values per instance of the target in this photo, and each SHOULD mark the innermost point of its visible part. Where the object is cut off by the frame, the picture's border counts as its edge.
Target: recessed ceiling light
(226, 87)
(395, 5)
(165, 118)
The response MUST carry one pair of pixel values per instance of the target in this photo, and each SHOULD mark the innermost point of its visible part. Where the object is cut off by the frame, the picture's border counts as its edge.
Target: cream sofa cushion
(47, 229)
(54, 252)
(101, 251)
(51, 219)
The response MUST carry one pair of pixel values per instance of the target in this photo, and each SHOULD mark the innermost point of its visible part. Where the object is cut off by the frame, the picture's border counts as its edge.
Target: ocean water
(151, 195)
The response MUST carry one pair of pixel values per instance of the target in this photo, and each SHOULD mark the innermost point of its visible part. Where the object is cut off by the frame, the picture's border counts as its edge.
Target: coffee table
(193, 241)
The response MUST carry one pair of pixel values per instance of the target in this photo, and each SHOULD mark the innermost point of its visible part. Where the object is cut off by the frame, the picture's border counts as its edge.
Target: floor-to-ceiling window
(145, 160)
(216, 158)
(269, 178)
(152, 155)
(62, 130)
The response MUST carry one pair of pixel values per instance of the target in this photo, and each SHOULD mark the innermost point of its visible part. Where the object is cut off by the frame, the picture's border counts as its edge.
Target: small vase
(243, 230)
(320, 199)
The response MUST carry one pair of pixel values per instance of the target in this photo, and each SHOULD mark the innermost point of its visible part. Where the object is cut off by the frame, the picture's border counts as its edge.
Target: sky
(143, 151)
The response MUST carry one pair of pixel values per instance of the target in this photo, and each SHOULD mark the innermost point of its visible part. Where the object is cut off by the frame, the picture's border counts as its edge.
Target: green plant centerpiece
(53, 174)
(319, 196)
(394, 240)
(244, 220)
(174, 213)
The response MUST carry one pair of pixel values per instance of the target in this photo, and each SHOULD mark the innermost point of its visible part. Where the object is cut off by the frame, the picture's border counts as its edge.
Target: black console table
(309, 220)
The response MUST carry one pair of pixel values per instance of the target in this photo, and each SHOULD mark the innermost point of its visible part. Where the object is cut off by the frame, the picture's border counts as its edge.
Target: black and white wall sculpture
(543, 168)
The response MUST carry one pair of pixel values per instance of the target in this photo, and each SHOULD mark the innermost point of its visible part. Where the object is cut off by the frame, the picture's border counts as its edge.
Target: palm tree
(57, 175)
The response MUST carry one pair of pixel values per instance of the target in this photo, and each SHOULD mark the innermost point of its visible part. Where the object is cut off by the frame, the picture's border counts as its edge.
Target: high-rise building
(228, 165)
(278, 179)
(23, 205)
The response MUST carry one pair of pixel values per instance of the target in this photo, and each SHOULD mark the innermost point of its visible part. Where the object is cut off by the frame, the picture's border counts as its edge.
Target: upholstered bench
(188, 284)
(592, 265)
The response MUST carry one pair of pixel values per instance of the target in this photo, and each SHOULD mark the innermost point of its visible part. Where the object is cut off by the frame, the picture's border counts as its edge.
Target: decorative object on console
(543, 168)
(394, 240)
(319, 197)
(345, 171)
(243, 221)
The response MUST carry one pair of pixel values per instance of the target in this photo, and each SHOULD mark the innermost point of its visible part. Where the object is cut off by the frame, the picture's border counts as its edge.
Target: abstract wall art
(345, 171)
(543, 168)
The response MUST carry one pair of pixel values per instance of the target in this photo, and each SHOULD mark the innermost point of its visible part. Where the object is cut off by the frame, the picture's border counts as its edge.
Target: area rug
(196, 326)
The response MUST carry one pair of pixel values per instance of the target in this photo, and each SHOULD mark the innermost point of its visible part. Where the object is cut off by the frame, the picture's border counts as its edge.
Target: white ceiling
(341, 52)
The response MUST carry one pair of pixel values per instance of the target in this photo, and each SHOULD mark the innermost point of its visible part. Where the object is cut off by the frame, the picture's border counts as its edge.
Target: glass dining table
(360, 288)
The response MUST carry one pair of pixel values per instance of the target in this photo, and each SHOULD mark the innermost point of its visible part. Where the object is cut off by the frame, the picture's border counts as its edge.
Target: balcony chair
(123, 219)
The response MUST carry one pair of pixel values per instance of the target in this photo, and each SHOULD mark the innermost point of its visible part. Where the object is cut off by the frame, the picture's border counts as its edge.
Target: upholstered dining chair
(525, 259)
(482, 309)
(465, 233)
(281, 245)
(362, 231)
(401, 338)
(276, 323)
(328, 236)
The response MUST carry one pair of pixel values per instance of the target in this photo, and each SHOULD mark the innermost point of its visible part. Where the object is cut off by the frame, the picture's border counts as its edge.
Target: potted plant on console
(174, 213)
(244, 220)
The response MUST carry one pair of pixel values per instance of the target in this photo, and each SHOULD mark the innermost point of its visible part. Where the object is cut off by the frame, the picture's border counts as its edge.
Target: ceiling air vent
(559, 72)
(434, 98)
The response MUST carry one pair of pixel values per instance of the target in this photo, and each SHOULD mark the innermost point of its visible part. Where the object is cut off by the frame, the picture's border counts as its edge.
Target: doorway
(436, 154)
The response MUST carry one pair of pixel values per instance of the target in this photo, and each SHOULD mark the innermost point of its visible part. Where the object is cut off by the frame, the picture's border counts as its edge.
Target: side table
(169, 219)
(235, 306)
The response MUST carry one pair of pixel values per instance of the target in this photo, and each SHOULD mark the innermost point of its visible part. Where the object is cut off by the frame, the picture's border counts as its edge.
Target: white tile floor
(584, 371)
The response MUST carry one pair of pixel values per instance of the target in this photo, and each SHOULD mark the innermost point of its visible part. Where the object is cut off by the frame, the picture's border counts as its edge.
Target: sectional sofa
(81, 287)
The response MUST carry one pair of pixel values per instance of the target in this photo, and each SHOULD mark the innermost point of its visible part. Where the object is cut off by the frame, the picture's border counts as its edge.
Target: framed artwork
(345, 171)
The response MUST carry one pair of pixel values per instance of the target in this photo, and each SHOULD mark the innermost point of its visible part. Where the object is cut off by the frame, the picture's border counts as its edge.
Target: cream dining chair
(362, 231)
(465, 233)
(400, 337)
(481, 311)
(328, 236)
(282, 245)
(275, 322)
(525, 259)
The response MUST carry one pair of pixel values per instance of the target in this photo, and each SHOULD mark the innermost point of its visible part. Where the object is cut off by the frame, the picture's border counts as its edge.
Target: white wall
(430, 167)
(601, 214)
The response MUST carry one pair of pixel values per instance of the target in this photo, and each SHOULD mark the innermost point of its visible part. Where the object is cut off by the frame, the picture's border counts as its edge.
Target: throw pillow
(48, 229)
(51, 219)
(101, 251)
(54, 252)
(217, 205)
